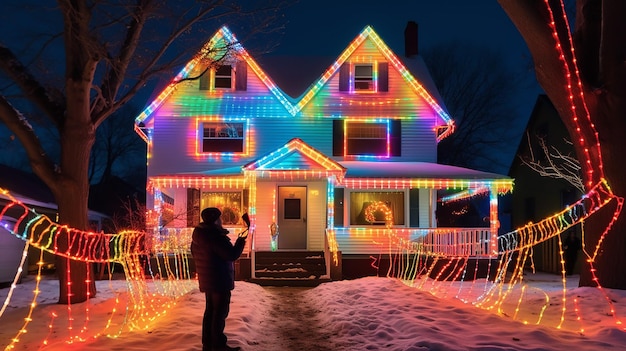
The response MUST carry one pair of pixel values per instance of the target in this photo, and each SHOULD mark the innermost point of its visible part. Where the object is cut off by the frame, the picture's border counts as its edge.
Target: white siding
(266, 192)
(316, 215)
(427, 206)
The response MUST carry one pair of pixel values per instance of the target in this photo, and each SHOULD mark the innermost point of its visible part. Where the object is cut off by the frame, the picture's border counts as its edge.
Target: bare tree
(553, 163)
(479, 91)
(116, 144)
(581, 68)
(92, 59)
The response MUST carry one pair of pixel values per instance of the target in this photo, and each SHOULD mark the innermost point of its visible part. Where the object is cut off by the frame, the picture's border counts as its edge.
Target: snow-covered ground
(363, 314)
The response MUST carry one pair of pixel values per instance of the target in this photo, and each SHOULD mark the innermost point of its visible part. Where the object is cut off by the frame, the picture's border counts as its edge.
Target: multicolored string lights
(154, 280)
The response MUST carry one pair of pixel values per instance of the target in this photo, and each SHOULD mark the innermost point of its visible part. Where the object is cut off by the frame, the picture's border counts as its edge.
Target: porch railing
(353, 240)
(474, 242)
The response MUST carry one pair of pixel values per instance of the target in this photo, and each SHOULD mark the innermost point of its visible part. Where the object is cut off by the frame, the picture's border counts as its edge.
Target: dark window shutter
(337, 137)
(193, 207)
(338, 207)
(396, 137)
(344, 77)
(241, 76)
(414, 207)
(383, 76)
(204, 80)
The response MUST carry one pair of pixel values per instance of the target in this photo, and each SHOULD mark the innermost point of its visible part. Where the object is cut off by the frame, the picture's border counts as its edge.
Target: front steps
(290, 268)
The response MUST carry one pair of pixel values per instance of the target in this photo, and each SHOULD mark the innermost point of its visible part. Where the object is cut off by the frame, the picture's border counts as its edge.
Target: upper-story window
(363, 77)
(360, 77)
(364, 138)
(222, 137)
(223, 77)
(361, 138)
(226, 77)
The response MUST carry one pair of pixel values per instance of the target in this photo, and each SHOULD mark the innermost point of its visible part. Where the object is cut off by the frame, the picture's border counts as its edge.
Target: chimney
(410, 39)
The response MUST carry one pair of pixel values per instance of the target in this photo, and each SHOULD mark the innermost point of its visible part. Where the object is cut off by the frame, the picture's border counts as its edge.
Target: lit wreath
(229, 215)
(375, 207)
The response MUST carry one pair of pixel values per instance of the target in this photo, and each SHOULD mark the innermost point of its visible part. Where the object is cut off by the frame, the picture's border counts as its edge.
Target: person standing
(214, 255)
(571, 246)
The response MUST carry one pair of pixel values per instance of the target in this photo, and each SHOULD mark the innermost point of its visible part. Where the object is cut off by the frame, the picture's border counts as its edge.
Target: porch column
(250, 178)
(494, 222)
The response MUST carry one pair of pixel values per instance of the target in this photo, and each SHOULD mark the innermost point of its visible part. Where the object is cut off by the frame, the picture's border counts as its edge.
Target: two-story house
(345, 171)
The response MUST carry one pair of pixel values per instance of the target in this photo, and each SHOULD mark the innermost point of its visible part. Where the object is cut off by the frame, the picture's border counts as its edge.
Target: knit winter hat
(210, 215)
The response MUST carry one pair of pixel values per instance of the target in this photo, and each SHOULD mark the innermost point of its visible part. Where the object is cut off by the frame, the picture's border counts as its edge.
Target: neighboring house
(536, 196)
(344, 168)
(27, 189)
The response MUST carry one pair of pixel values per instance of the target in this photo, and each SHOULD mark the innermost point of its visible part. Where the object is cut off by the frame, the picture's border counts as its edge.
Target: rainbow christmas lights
(157, 269)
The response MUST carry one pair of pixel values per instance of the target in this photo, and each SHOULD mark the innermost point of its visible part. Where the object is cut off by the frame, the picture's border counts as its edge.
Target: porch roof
(414, 170)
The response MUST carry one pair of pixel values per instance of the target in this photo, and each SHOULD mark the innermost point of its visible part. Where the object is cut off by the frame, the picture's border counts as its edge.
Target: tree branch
(40, 163)
(557, 165)
(32, 89)
(119, 65)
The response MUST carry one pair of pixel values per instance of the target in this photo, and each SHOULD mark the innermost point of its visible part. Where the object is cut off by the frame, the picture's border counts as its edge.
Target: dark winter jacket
(214, 256)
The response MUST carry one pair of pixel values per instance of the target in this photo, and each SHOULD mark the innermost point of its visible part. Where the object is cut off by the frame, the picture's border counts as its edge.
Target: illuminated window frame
(364, 82)
(348, 221)
(231, 215)
(384, 124)
(225, 74)
(245, 137)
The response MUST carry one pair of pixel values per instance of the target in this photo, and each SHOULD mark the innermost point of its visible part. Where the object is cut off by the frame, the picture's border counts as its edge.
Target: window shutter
(396, 137)
(204, 80)
(383, 76)
(414, 208)
(193, 207)
(338, 207)
(344, 77)
(337, 137)
(241, 76)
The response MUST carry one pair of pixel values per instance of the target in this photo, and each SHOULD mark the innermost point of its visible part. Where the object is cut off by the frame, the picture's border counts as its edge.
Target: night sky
(324, 28)
(335, 23)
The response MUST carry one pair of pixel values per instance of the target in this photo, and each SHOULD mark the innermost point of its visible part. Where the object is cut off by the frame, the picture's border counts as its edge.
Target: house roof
(29, 190)
(414, 72)
(295, 155)
(25, 185)
(294, 75)
(414, 170)
(387, 170)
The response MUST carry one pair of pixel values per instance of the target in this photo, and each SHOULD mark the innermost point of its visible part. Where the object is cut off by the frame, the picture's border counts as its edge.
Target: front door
(292, 217)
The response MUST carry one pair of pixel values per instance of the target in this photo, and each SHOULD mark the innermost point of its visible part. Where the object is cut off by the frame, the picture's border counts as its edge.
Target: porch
(351, 253)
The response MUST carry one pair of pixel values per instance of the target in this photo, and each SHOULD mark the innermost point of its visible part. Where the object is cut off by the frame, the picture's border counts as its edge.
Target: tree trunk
(76, 278)
(589, 92)
(610, 263)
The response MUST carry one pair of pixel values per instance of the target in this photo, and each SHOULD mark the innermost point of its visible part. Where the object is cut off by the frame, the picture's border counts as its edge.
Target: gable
(367, 38)
(296, 155)
(222, 44)
(369, 41)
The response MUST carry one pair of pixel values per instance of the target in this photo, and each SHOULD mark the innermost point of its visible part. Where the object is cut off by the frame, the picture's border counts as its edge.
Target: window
(224, 77)
(292, 209)
(370, 139)
(363, 77)
(376, 208)
(228, 202)
(364, 138)
(222, 137)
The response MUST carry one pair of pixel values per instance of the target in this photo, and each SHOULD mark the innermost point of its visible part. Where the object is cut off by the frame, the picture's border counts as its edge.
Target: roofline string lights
(294, 108)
